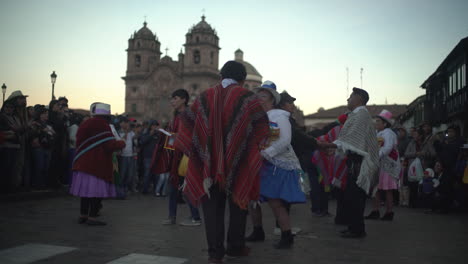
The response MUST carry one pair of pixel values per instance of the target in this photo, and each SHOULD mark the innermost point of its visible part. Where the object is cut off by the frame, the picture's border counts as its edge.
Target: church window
(196, 57)
(134, 89)
(134, 108)
(212, 57)
(137, 60)
(138, 44)
(194, 87)
(197, 39)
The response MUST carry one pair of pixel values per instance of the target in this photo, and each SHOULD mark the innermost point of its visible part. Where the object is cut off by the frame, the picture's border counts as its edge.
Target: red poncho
(221, 134)
(95, 144)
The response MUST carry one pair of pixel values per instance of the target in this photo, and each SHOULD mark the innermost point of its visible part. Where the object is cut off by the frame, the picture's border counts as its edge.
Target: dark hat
(153, 123)
(286, 98)
(361, 92)
(234, 70)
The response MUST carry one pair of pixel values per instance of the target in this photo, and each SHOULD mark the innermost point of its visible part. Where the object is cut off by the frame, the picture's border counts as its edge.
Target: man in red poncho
(221, 134)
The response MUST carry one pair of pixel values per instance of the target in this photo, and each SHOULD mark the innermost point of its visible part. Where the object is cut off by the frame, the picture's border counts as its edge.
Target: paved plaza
(46, 231)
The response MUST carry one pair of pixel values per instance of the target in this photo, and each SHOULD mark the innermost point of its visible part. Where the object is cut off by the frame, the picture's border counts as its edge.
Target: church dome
(202, 26)
(252, 73)
(145, 33)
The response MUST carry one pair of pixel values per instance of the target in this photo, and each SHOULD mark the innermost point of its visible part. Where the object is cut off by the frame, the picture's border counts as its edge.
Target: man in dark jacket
(304, 146)
(148, 141)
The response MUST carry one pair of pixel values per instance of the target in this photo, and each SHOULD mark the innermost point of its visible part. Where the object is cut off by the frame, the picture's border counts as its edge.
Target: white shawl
(358, 135)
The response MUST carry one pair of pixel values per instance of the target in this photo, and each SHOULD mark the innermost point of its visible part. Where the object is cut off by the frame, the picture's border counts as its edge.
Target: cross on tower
(167, 50)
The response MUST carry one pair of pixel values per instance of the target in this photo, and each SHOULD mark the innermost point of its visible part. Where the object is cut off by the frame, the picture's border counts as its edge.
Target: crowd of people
(238, 147)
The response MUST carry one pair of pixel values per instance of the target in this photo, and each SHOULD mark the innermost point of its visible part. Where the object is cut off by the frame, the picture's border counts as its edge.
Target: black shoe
(350, 234)
(243, 252)
(257, 235)
(91, 222)
(374, 215)
(286, 241)
(344, 231)
(82, 220)
(387, 217)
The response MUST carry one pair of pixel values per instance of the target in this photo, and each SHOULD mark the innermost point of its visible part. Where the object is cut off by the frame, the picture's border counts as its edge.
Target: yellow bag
(465, 176)
(183, 165)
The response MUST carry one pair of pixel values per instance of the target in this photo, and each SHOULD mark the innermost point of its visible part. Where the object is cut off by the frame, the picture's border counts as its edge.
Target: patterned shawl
(340, 170)
(358, 135)
(221, 134)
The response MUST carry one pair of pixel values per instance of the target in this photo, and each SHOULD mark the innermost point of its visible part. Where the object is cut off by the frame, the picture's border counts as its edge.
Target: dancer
(358, 140)
(390, 166)
(92, 167)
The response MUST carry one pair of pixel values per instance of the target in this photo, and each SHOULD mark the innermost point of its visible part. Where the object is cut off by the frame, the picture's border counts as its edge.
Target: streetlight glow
(4, 91)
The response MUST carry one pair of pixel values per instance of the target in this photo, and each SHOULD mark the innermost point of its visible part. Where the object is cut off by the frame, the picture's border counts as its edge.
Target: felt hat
(386, 116)
(16, 94)
(100, 109)
(271, 88)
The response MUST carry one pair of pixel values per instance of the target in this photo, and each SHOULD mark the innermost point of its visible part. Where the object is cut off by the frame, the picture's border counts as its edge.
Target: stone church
(150, 79)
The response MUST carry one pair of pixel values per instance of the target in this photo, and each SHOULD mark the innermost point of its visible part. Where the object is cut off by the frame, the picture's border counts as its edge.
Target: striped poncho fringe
(358, 135)
(221, 134)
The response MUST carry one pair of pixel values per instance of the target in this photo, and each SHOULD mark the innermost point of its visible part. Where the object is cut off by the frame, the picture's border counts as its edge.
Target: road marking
(30, 253)
(147, 259)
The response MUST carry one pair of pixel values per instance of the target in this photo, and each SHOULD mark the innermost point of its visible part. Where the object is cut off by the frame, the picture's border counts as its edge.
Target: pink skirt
(387, 182)
(87, 185)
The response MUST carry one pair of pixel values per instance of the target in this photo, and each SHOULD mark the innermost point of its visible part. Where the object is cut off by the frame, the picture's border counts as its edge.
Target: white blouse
(280, 152)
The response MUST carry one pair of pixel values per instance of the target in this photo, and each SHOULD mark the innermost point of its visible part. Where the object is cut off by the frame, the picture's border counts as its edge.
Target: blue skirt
(278, 183)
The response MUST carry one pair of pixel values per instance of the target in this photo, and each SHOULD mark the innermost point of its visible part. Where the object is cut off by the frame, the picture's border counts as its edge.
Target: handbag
(183, 166)
(415, 171)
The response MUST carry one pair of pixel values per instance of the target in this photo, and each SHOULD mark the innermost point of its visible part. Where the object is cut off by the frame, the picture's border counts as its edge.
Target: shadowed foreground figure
(221, 134)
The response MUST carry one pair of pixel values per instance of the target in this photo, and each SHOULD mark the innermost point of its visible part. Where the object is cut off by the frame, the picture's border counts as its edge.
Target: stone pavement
(46, 231)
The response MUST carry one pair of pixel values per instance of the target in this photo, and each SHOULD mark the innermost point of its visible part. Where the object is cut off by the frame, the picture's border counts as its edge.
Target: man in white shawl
(358, 139)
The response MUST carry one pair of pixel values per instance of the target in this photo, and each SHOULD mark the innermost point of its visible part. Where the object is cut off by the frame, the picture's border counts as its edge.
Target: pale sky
(303, 46)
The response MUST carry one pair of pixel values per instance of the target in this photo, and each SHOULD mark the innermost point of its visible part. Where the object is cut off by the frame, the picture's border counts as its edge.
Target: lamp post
(53, 77)
(4, 92)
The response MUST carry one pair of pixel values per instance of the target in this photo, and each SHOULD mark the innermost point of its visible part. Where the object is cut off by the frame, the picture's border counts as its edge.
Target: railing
(457, 102)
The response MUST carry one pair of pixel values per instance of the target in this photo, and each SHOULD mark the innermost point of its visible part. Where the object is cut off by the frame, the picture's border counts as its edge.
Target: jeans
(173, 196)
(127, 172)
(41, 163)
(148, 176)
(161, 187)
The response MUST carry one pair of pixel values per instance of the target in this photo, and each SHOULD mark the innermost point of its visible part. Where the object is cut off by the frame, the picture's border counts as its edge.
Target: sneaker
(295, 230)
(190, 222)
(277, 231)
(169, 221)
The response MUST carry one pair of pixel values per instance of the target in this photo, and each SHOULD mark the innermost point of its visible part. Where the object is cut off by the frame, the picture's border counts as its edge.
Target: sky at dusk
(303, 46)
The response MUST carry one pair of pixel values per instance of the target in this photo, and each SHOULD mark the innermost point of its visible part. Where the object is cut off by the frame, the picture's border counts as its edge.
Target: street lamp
(4, 91)
(53, 77)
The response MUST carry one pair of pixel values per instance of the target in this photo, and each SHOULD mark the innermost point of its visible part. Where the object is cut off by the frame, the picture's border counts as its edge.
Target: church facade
(150, 79)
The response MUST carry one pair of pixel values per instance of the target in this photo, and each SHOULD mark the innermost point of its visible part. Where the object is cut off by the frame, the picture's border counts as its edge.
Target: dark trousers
(340, 217)
(314, 189)
(90, 206)
(213, 211)
(355, 197)
(413, 194)
(323, 199)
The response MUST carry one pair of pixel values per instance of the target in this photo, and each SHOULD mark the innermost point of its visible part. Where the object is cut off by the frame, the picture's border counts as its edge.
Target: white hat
(387, 116)
(100, 109)
(270, 87)
(16, 94)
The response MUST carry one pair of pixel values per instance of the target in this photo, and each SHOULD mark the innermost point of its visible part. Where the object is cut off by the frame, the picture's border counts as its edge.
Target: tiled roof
(374, 110)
